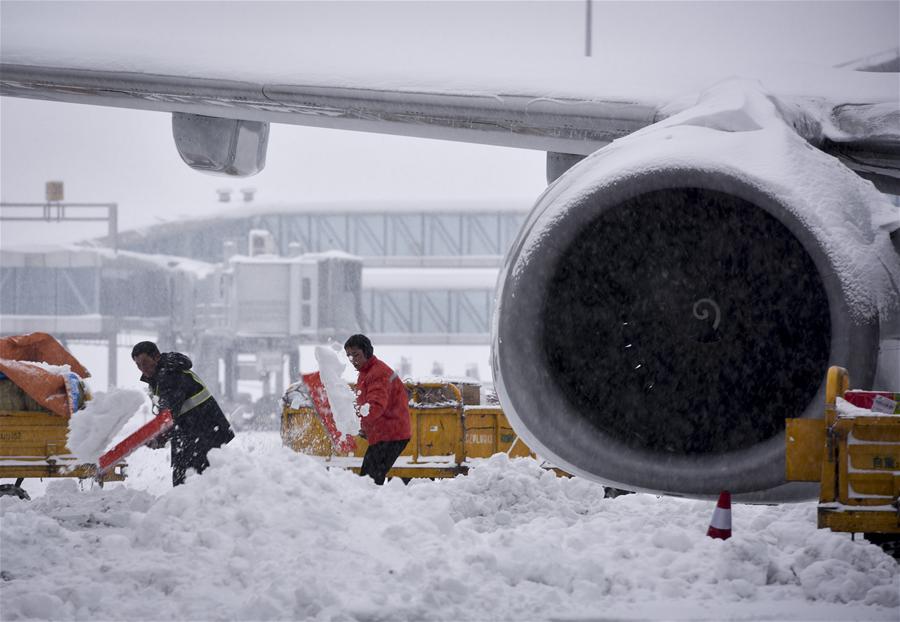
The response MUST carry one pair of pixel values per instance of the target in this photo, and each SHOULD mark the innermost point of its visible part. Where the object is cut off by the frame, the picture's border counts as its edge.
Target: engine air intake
(686, 321)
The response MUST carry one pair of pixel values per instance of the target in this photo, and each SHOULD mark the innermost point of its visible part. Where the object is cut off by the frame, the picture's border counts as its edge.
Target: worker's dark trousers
(379, 459)
(187, 455)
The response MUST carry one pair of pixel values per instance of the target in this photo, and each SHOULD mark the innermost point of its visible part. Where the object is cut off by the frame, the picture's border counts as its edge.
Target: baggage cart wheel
(889, 543)
(14, 489)
(612, 493)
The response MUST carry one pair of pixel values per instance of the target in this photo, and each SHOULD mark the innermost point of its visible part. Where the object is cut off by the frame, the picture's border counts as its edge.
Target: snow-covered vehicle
(854, 455)
(41, 386)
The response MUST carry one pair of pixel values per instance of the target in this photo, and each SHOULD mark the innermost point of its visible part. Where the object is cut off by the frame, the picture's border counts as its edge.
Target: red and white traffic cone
(720, 525)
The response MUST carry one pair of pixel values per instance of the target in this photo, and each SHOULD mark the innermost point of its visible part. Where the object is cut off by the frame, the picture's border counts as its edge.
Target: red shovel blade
(313, 382)
(140, 437)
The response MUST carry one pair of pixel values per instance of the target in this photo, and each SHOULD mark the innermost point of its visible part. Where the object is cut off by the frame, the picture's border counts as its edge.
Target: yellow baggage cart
(33, 434)
(447, 432)
(854, 454)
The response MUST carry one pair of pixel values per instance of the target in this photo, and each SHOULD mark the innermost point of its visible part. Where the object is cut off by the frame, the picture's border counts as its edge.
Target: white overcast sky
(128, 157)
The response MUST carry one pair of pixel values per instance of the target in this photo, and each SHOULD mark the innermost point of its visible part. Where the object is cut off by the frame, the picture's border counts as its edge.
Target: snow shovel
(160, 424)
(313, 382)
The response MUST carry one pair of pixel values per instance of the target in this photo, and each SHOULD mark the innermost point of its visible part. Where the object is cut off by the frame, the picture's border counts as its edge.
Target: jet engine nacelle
(678, 294)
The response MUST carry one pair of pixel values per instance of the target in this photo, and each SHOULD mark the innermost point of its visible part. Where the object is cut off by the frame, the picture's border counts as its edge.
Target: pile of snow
(93, 428)
(59, 370)
(340, 396)
(268, 534)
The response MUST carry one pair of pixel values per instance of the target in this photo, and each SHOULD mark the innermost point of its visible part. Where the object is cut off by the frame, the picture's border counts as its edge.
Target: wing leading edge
(866, 137)
(550, 124)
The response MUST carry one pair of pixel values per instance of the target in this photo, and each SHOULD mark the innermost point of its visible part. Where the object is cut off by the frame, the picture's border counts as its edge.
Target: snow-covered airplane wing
(493, 73)
(864, 134)
(564, 124)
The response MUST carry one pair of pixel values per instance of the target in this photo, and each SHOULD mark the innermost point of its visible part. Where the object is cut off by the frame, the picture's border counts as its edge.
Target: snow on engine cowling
(676, 295)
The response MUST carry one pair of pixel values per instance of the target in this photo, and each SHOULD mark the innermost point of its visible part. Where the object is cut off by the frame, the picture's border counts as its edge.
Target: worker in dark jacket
(383, 407)
(200, 425)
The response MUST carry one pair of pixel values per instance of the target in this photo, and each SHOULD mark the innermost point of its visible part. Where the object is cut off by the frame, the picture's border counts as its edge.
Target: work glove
(160, 441)
(157, 443)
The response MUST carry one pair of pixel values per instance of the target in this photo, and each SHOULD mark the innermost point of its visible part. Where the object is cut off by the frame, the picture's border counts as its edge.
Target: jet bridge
(267, 305)
(264, 304)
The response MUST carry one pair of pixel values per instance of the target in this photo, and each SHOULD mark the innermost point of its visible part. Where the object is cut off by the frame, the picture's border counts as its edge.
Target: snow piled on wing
(268, 534)
(425, 55)
(340, 396)
(93, 428)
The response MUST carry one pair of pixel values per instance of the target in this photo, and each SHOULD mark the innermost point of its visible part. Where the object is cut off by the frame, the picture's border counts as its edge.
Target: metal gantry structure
(60, 211)
(418, 307)
(399, 237)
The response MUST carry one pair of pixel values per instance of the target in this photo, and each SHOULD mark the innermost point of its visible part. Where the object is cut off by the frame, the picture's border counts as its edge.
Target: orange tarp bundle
(48, 388)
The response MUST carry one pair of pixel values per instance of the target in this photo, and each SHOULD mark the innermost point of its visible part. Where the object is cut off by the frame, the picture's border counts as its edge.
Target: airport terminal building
(257, 279)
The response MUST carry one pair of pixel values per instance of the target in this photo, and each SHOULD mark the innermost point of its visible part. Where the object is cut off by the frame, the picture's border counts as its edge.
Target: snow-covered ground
(267, 534)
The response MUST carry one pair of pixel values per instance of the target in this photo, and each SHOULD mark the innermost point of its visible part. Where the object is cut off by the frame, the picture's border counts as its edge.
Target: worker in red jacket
(383, 407)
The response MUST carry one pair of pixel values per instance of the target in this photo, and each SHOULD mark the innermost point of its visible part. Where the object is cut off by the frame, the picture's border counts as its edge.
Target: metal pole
(294, 365)
(587, 27)
(114, 226)
(230, 373)
(279, 379)
(112, 359)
